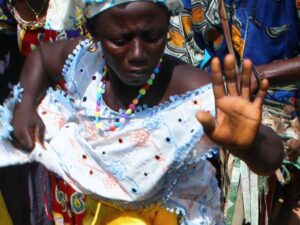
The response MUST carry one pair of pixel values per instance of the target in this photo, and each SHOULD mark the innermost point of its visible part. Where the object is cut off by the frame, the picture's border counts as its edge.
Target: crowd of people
(149, 112)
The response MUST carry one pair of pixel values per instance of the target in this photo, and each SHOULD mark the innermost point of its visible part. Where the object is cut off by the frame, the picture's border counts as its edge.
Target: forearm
(43, 68)
(266, 153)
(34, 78)
(281, 70)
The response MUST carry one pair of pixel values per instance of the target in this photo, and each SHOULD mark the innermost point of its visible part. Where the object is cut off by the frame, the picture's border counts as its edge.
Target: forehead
(133, 15)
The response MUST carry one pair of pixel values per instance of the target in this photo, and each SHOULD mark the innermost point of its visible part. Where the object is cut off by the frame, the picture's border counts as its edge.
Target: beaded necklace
(25, 25)
(124, 117)
(36, 13)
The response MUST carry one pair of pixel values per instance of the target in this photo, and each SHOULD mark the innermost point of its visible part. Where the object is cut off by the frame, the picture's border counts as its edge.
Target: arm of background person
(281, 70)
(278, 71)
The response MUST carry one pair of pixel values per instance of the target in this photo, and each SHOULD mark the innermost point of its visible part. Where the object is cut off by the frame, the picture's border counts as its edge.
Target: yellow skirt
(4, 216)
(102, 214)
(73, 208)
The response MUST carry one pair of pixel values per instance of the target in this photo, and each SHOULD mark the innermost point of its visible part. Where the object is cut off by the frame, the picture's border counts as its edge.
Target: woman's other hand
(238, 117)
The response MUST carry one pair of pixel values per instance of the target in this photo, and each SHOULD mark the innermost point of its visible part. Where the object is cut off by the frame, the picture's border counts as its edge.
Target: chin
(134, 83)
(135, 80)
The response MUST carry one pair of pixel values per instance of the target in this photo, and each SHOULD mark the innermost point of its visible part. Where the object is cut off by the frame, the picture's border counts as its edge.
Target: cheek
(160, 45)
(113, 55)
(114, 61)
(109, 48)
(156, 50)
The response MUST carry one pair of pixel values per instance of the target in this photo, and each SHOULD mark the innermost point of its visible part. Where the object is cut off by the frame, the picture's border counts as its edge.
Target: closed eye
(118, 42)
(152, 37)
(122, 39)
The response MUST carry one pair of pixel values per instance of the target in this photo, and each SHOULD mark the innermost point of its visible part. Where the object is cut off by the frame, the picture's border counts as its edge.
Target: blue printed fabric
(5, 16)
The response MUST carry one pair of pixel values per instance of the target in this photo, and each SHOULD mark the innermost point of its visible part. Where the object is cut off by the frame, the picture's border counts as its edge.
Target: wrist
(240, 152)
(28, 99)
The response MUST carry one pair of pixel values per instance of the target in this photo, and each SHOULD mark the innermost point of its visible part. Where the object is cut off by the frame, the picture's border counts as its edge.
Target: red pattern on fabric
(61, 194)
(33, 38)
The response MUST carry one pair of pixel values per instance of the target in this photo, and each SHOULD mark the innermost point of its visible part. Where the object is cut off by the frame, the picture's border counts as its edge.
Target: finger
(22, 140)
(27, 140)
(246, 79)
(217, 79)
(230, 74)
(15, 142)
(40, 134)
(259, 99)
(207, 121)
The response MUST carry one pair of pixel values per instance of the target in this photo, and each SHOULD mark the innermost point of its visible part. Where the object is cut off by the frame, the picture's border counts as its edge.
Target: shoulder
(185, 77)
(60, 48)
(55, 54)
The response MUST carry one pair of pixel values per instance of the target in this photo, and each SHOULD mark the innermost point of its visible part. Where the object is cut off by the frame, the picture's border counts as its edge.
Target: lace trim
(75, 55)
(6, 112)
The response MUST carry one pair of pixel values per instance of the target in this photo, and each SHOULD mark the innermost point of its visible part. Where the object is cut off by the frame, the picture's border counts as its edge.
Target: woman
(133, 161)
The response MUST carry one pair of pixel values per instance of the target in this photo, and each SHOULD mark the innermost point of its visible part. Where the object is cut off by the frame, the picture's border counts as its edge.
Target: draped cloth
(158, 157)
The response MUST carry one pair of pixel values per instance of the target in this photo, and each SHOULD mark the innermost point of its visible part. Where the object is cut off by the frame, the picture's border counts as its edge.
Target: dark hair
(90, 25)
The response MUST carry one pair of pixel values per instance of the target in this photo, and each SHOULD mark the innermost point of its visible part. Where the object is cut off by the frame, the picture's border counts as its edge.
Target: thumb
(207, 121)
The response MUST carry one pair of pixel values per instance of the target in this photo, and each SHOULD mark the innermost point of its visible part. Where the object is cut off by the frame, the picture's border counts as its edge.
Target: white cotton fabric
(64, 15)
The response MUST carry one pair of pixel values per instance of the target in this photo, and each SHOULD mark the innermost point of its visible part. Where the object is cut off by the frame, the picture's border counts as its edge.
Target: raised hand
(238, 117)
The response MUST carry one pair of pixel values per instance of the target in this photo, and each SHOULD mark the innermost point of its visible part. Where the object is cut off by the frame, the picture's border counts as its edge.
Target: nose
(137, 53)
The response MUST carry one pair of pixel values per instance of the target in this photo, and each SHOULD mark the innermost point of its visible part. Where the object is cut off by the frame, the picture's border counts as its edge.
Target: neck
(31, 10)
(119, 95)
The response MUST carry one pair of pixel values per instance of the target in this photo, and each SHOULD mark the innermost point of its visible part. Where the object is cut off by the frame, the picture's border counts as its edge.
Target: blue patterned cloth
(267, 38)
(5, 16)
(263, 31)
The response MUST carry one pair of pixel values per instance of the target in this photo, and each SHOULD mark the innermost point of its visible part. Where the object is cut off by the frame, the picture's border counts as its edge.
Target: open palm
(237, 116)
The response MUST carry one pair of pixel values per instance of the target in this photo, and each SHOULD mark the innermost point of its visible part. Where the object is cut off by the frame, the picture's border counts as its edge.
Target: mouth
(139, 72)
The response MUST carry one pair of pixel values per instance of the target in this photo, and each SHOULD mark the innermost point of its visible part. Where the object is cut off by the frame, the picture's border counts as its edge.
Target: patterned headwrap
(94, 7)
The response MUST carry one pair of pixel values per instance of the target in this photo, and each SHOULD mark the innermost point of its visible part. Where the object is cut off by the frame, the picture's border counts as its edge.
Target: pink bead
(97, 108)
(132, 106)
(122, 120)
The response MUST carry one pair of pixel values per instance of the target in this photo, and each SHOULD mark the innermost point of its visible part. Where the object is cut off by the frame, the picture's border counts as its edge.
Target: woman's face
(133, 37)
